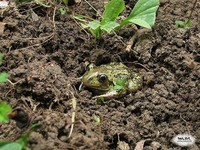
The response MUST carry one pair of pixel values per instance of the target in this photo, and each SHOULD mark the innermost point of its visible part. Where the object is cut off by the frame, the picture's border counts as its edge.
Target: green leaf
(112, 10)
(96, 119)
(24, 1)
(3, 77)
(20, 144)
(94, 28)
(63, 10)
(10, 146)
(143, 13)
(24, 138)
(96, 33)
(182, 24)
(80, 18)
(84, 25)
(95, 24)
(65, 2)
(42, 3)
(101, 101)
(117, 87)
(189, 23)
(5, 109)
(140, 22)
(109, 26)
(120, 84)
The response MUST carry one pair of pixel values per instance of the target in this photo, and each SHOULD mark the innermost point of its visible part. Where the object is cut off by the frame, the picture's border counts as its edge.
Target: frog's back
(114, 66)
(115, 70)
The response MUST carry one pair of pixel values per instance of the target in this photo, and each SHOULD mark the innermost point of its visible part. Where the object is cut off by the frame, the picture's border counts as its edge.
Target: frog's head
(95, 79)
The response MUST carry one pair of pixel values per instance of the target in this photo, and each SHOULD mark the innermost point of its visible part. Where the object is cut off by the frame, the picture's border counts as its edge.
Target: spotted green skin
(114, 71)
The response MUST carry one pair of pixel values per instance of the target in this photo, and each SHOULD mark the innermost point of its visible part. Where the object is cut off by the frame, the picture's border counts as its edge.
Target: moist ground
(45, 57)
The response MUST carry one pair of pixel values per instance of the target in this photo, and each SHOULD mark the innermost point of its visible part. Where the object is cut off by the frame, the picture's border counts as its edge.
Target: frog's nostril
(90, 79)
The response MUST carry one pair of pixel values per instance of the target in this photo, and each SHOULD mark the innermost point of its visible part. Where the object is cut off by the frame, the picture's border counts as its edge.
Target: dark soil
(45, 57)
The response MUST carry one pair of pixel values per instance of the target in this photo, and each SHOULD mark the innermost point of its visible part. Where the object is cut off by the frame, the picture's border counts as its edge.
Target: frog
(103, 80)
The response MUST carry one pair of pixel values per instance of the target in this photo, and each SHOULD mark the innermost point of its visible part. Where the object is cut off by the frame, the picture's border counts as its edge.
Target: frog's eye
(102, 78)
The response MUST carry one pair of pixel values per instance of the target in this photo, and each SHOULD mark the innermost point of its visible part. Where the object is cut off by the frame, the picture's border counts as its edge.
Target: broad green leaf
(84, 25)
(3, 77)
(140, 22)
(112, 10)
(10, 146)
(94, 28)
(94, 24)
(20, 144)
(24, 138)
(144, 11)
(109, 26)
(5, 109)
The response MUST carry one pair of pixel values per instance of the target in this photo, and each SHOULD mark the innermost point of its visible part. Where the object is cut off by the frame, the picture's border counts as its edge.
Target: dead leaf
(2, 27)
(35, 17)
(77, 1)
(3, 4)
(122, 146)
(140, 144)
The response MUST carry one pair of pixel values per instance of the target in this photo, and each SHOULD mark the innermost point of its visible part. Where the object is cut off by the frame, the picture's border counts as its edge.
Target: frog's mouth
(102, 88)
(99, 91)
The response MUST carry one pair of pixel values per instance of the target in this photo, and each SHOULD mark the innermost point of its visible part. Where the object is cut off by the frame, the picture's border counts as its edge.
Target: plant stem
(192, 10)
